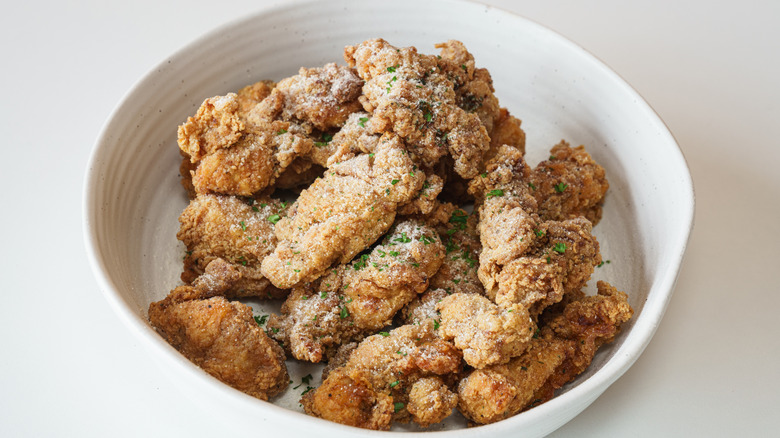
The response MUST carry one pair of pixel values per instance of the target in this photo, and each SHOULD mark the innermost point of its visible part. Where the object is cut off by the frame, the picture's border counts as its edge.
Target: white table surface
(710, 69)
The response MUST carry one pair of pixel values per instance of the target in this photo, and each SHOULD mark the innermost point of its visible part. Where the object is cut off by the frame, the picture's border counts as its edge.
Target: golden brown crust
(222, 338)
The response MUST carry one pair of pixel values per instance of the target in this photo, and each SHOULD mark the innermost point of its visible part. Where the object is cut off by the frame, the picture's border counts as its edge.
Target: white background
(710, 69)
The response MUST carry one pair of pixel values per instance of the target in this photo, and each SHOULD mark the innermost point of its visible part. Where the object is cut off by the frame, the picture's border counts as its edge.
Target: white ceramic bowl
(133, 197)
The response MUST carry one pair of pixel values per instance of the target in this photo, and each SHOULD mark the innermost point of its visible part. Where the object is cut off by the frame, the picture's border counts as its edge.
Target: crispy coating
(569, 184)
(342, 213)
(412, 95)
(561, 260)
(216, 125)
(486, 333)
(564, 349)
(222, 338)
(361, 297)
(458, 273)
(239, 231)
(377, 383)
(318, 99)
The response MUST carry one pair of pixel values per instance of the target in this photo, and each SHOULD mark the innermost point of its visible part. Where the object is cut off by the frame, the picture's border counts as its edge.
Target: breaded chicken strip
(342, 213)
(397, 376)
(562, 350)
(411, 95)
(486, 333)
(238, 230)
(569, 184)
(361, 297)
(222, 338)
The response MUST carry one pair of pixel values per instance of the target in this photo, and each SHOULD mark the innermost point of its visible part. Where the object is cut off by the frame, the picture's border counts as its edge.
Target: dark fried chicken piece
(411, 95)
(388, 377)
(238, 230)
(223, 339)
(342, 213)
(563, 349)
(569, 184)
(361, 297)
(486, 333)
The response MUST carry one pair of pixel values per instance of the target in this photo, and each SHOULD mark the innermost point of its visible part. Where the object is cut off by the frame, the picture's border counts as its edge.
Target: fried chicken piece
(238, 230)
(342, 213)
(411, 95)
(525, 260)
(317, 99)
(506, 131)
(425, 200)
(561, 260)
(252, 163)
(251, 95)
(386, 379)
(361, 297)
(569, 184)
(216, 125)
(224, 340)
(458, 273)
(486, 333)
(507, 217)
(564, 349)
(352, 139)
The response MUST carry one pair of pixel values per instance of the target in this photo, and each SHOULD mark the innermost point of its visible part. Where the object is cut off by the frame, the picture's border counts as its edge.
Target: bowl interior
(133, 197)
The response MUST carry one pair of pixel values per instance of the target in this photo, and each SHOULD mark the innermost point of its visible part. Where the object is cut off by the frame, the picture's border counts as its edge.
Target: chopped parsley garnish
(394, 182)
(392, 69)
(560, 187)
(323, 295)
(344, 312)
(394, 384)
(532, 186)
(274, 218)
(362, 122)
(325, 139)
(243, 225)
(403, 239)
(394, 253)
(539, 233)
(385, 334)
(260, 320)
(495, 193)
(459, 218)
(281, 131)
(398, 406)
(428, 116)
(436, 324)
(602, 263)
(560, 247)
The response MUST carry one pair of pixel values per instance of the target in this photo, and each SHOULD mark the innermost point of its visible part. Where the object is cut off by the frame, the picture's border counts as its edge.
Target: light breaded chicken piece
(411, 95)
(526, 260)
(342, 213)
(486, 333)
(458, 273)
(569, 184)
(318, 99)
(238, 230)
(359, 298)
(563, 349)
(223, 339)
(401, 375)
(561, 260)
(352, 139)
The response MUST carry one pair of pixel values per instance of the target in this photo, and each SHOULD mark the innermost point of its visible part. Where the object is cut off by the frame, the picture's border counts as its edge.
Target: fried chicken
(563, 349)
(223, 339)
(486, 333)
(342, 213)
(412, 95)
(569, 184)
(238, 230)
(401, 375)
(361, 297)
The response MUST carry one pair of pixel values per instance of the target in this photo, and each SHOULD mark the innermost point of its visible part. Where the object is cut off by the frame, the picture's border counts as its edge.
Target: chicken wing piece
(223, 339)
(342, 213)
(359, 298)
(569, 184)
(402, 375)
(410, 94)
(486, 333)
(240, 231)
(563, 349)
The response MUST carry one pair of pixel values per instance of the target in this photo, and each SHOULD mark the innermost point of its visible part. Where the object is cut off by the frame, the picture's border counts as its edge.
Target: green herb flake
(394, 182)
(398, 406)
(532, 186)
(394, 384)
(495, 193)
(560, 247)
(362, 122)
(260, 320)
(560, 187)
(344, 313)
(274, 218)
(243, 225)
(281, 131)
(385, 334)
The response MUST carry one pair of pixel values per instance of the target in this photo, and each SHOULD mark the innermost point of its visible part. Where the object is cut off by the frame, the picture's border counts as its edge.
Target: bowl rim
(642, 331)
